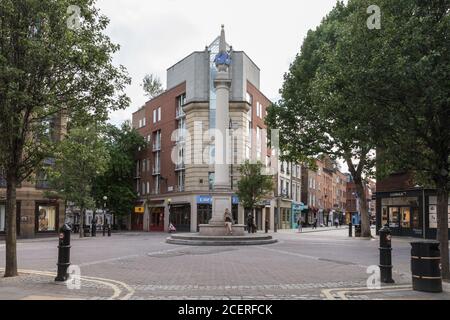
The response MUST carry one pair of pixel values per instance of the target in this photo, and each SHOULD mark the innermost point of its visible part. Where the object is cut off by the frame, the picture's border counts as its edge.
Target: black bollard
(350, 230)
(104, 229)
(109, 230)
(386, 255)
(63, 253)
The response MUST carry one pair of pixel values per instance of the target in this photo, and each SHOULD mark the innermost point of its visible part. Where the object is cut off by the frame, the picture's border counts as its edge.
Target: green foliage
(48, 69)
(253, 186)
(117, 181)
(152, 86)
(79, 160)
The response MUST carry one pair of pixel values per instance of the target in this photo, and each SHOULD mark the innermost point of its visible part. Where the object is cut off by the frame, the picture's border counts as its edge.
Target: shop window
(415, 218)
(2, 218)
(406, 217)
(384, 216)
(393, 217)
(46, 218)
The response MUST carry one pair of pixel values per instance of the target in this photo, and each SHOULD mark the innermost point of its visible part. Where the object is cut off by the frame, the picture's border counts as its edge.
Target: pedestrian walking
(228, 222)
(336, 223)
(299, 223)
(250, 223)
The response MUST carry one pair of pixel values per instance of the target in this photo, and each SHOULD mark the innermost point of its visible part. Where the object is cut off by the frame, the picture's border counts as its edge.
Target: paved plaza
(319, 264)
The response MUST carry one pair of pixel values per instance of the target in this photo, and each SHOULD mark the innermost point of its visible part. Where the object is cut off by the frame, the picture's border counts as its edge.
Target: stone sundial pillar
(222, 200)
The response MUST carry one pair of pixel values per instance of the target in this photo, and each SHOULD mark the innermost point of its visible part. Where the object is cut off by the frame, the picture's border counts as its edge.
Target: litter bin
(358, 230)
(426, 266)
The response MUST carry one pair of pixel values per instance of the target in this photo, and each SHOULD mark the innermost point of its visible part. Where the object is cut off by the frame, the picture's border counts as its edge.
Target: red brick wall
(168, 103)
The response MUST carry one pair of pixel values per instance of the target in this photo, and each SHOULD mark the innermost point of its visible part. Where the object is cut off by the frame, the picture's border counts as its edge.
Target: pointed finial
(223, 44)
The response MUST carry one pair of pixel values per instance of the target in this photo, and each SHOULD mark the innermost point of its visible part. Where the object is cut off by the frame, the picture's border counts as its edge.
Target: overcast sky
(155, 34)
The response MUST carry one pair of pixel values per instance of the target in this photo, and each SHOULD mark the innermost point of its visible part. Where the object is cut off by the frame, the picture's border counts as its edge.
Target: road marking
(107, 282)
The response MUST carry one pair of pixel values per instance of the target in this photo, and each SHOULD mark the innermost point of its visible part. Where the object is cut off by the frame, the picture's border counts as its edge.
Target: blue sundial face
(223, 58)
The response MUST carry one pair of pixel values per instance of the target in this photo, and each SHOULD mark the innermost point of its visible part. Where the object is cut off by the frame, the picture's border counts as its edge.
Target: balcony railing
(156, 170)
(180, 166)
(180, 113)
(157, 146)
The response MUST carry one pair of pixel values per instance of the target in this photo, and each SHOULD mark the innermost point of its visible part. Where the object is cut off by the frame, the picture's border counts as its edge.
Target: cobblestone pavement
(301, 266)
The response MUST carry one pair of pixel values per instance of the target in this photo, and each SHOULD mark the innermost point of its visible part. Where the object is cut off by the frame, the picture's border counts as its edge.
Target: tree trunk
(365, 221)
(11, 227)
(81, 222)
(442, 229)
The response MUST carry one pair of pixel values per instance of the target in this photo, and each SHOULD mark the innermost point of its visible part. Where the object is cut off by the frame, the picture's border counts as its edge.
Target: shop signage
(204, 200)
(398, 194)
(139, 210)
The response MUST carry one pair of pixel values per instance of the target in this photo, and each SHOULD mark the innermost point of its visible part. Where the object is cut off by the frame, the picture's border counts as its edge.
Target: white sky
(155, 34)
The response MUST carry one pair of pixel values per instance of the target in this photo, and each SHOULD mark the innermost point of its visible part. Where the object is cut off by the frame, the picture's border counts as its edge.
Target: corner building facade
(175, 173)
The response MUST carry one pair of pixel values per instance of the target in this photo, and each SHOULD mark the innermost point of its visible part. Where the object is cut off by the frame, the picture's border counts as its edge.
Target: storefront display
(46, 218)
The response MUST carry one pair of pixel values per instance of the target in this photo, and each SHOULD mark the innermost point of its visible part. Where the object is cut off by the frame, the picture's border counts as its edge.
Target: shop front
(180, 216)
(3, 218)
(156, 215)
(409, 213)
(298, 211)
(204, 209)
(47, 217)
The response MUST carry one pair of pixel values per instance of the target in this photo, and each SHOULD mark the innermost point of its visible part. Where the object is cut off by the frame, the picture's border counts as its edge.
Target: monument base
(218, 230)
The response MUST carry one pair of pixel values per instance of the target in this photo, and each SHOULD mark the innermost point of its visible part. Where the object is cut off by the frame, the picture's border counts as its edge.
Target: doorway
(156, 220)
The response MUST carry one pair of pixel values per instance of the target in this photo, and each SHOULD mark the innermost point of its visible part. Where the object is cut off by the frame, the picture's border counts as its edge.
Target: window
(155, 119)
(2, 217)
(249, 98)
(156, 191)
(393, 217)
(211, 181)
(143, 187)
(148, 187)
(258, 143)
(46, 218)
(406, 217)
(259, 110)
(159, 114)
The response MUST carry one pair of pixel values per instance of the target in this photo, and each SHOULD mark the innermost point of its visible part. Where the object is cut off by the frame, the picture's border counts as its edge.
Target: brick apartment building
(324, 191)
(175, 173)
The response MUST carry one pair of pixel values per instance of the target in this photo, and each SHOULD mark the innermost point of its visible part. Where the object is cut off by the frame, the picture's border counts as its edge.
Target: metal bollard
(63, 253)
(109, 230)
(350, 230)
(386, 255)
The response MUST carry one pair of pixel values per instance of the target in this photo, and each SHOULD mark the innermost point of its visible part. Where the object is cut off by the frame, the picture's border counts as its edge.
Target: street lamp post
(168, 206)
(105, 198)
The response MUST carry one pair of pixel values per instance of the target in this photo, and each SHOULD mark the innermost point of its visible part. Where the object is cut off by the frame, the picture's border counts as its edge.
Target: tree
(408, 77)
(79, 160)
(253, 186)
(152, 86)
(117, 181)
(53, 61)
(320, 113)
